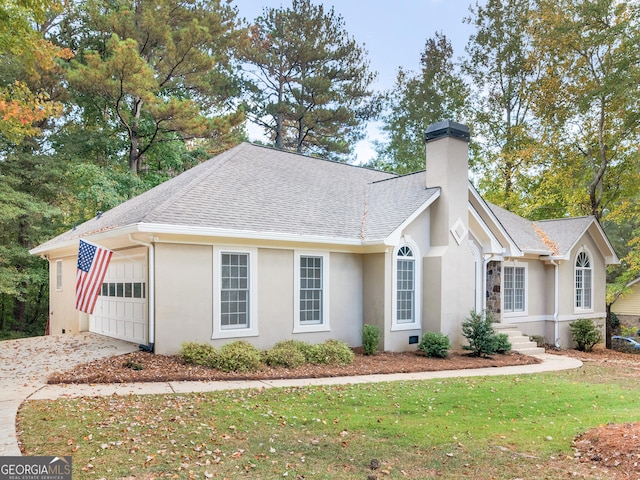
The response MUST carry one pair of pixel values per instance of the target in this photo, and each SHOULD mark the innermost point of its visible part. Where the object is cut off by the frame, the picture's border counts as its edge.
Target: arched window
(584, 281)
(405, 286)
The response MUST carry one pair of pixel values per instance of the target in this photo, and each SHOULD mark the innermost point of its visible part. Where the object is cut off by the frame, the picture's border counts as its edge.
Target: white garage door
(121, 309)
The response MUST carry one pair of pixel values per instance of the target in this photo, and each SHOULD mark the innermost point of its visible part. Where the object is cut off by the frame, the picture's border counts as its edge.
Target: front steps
(519, 343)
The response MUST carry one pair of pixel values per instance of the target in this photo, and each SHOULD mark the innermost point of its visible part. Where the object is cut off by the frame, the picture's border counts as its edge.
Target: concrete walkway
(25, 365)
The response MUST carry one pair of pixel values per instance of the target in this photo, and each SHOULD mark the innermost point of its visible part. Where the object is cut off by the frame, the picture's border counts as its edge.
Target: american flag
(92, 267)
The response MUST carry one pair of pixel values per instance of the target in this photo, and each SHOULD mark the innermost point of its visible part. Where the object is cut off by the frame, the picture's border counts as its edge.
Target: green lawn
(495, 427)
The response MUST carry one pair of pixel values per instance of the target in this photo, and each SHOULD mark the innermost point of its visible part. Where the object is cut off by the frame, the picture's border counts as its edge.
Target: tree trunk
(607, 328)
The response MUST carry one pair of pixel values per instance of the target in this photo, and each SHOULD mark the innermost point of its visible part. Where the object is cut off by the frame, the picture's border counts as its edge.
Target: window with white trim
(310, 290)
(235, 293)
(58, 275)
(234, 290)
(514, 287)
(405, 286)
(311, 294)
(584, 281)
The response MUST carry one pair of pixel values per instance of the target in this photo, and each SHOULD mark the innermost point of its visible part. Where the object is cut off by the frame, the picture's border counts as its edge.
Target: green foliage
(157, 71)
(312, 92)
(238, 356)
(503, 75)
(626, 331)
(289, 354)
(435, 344)
(501, 343)
(478, 331)
(331, 352)
(585, 333)
(416, 101)
(198, 354)
(370, 339)
(536, 414)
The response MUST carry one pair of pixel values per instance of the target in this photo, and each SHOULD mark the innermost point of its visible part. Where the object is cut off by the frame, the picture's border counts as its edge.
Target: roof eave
(394, 237)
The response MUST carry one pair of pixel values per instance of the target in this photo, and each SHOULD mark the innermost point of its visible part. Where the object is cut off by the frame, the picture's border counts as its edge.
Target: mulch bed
(148, 367)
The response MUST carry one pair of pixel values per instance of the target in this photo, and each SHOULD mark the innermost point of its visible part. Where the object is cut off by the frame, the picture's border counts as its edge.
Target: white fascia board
(158, 228)
(95, 237)
(513, 247)
(496, 246)
(394, 238)
(610, 257)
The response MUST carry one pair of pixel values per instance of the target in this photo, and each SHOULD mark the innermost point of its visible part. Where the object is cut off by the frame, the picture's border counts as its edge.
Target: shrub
(289, 354)
(370, 339)
(239, 356)
(501, 343)
(331, 352)
(435, 344)
(585, 333)
(198, 354)
(478, 331)
(626, 331)
(539, 339)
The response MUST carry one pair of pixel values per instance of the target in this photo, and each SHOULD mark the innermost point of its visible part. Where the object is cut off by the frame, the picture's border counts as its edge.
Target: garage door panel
(121, 310)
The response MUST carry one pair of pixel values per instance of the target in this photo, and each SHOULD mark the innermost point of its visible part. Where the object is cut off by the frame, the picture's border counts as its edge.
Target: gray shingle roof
(519, 229)
(556, 236)
(262, 190)
(565, 232)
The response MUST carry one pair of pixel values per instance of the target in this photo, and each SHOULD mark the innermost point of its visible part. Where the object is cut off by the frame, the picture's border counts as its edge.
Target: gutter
(152, 292)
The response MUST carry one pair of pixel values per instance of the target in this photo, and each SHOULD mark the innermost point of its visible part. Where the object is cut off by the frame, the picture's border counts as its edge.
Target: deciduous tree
(416, 101)
(503, 75)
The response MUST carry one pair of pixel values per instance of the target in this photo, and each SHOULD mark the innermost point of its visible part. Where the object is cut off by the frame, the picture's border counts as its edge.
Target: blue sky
(394, 33)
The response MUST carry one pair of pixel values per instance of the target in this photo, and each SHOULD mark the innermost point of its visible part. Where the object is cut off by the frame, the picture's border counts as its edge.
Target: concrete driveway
(26, 363)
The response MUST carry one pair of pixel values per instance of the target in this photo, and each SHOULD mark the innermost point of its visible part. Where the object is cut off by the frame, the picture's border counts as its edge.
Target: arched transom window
(584, 281)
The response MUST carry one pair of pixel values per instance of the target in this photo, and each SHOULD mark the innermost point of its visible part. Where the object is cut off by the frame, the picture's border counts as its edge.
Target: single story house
(265, 245)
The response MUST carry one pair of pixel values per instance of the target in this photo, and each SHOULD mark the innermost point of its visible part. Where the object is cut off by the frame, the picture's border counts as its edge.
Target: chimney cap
(447, 128)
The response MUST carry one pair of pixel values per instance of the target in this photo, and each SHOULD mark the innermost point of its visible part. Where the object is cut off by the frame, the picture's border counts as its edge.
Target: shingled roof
(556, 237)
(261, 190)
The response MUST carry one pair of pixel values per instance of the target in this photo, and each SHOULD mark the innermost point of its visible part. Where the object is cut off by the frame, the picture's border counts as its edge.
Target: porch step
(519, 343)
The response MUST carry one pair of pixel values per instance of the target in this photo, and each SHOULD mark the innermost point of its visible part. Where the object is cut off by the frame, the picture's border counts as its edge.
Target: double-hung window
(583, 276)
(514, 287)
(311, 292)
(235, 293)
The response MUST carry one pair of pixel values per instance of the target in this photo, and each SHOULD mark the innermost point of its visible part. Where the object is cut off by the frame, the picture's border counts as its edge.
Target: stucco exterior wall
(185, 297)
(184, 303)
(63, 317)
(373, 292)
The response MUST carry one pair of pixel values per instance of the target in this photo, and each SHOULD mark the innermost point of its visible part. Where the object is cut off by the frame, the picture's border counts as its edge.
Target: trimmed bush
(198, 354)
(239, 356)
(435, 344)
(501, 343)
(586, 334)
(370, 339)
(331, 352)
(287, 354)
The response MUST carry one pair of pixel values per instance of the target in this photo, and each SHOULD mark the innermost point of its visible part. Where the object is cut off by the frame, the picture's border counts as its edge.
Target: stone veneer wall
(494, 287)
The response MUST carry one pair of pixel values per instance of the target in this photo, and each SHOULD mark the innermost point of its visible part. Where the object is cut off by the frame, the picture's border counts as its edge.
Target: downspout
(556, 296)
(152, 292)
